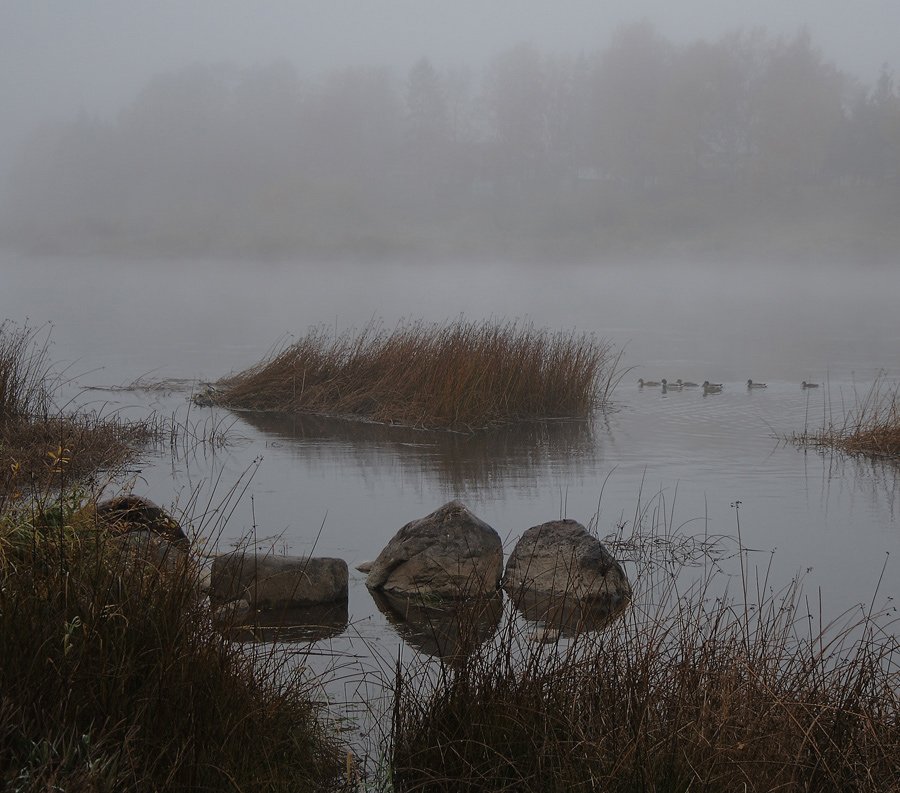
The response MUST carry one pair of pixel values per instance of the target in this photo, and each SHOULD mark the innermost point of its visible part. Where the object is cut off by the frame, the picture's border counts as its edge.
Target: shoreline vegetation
(870, 427)
(42, 445)
(462, 376)
(694, 689)
(115, 678)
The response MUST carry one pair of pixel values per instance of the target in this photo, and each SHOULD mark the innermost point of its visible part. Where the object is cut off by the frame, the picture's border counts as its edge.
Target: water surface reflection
(306, 624)
(567, 615)
(485, 462)
(442, 628)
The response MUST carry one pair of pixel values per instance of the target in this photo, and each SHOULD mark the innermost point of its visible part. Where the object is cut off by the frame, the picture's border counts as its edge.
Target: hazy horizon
(415, 128)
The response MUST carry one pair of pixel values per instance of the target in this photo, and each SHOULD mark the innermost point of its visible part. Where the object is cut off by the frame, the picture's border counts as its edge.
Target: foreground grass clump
(40, 445)
(870, 427)
(697, 694)
(113, 678)
(462, 375)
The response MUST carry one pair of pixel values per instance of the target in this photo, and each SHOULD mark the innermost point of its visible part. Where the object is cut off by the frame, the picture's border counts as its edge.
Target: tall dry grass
(462, 375)
(869, 426)
(23, 372)
(115, 679)
(43, 445)
(692, 690)
(113, 676)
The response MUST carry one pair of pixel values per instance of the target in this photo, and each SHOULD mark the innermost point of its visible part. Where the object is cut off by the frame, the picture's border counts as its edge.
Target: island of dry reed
(460, 376)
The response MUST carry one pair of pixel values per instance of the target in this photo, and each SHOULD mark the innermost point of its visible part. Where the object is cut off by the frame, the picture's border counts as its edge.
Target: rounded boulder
(449, 553)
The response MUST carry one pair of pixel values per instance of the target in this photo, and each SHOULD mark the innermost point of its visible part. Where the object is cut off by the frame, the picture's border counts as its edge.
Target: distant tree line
(747, 146)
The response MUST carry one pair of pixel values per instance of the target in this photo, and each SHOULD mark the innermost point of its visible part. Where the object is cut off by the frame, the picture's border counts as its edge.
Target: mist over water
(123, 319)
(715, 190)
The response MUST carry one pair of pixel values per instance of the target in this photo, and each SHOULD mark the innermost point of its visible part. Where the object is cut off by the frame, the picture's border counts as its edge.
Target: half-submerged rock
(449, 553)
(130, 513)
(267, 581)
(561, 560)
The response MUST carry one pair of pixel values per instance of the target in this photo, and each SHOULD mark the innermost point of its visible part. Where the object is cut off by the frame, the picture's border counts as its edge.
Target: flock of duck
(708, 388)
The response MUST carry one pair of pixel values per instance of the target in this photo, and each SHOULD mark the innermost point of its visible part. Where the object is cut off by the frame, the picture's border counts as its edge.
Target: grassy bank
(461, 375)
(870, 426)
(42, 445)
(690, 691)
(113, 677)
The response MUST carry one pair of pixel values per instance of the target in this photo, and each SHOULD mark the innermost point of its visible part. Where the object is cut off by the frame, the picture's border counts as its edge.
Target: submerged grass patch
(692, 690)
(870, 426)
(462, 375)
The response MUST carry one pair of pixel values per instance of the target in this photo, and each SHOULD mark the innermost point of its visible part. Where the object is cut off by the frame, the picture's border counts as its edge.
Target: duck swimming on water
(648, 383)
(667, 386)
(804, 384)
(751, 384)
(711, 388)
(679, 382)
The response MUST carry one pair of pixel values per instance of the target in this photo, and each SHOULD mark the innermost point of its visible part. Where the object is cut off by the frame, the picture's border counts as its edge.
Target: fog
(572, 130)
(184, 185)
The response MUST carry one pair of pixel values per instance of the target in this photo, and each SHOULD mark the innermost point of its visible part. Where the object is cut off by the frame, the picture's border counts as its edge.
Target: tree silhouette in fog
(745, 145)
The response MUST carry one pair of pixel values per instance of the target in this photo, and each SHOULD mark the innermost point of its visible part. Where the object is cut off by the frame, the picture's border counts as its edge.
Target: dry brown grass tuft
(23, 372)
(871, 426)
(115, 679)
(692, 690)
(42, 446)
(461, 376)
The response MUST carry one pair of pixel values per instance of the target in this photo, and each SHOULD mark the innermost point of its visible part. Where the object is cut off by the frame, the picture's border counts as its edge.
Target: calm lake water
(344, 489)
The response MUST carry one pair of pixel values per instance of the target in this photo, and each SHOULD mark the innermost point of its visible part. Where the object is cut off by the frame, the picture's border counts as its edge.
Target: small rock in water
(364, 567)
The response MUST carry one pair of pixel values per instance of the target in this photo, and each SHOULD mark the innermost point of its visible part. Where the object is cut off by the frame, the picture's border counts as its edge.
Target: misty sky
(58, 57)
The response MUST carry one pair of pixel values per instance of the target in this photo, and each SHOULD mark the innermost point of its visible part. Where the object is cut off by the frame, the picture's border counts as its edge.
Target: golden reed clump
(459, 376)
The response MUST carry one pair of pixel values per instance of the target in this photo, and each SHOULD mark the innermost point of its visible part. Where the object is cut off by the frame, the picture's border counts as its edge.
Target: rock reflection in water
(307, 624)
(485, 461)
(568, 615)
(447, 629)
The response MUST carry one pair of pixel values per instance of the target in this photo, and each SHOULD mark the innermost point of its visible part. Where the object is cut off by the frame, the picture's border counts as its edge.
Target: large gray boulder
(560, 559)
(449, 553)
(267, 581)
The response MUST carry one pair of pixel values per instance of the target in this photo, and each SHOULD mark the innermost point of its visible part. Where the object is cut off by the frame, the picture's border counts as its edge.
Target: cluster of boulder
(557, 573)
(452, 553)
